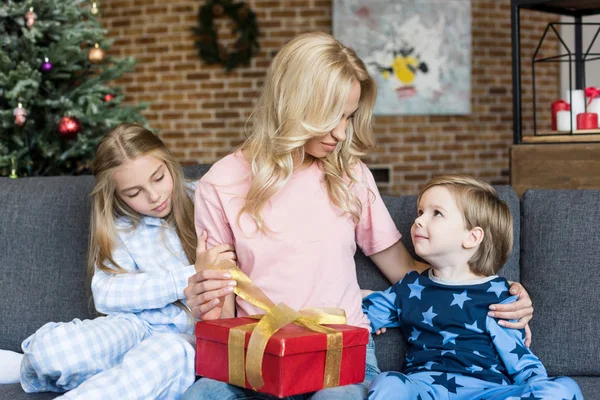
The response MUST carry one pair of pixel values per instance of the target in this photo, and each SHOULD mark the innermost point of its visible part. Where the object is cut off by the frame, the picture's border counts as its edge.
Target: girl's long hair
(304, 96)
(127, 142)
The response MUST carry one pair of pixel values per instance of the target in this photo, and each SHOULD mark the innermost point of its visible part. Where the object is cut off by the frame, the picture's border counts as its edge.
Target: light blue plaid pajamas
(143, 348)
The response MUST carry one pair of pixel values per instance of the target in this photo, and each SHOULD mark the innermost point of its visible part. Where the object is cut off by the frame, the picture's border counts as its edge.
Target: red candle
(558, 105)
(587, 121)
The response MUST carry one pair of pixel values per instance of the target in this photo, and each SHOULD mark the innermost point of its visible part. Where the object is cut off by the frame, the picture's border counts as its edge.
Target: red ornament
(108, 97)
(69, 127)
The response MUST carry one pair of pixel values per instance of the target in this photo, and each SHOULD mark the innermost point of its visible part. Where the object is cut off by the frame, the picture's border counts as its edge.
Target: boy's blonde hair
(304, 96)
(127, 142)
(481, 206)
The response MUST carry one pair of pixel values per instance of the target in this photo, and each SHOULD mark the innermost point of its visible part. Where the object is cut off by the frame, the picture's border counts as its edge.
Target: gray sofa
(43, 241)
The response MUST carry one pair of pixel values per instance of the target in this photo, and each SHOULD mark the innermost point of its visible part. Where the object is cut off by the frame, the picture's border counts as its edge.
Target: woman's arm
(395, 262)
(209, 292)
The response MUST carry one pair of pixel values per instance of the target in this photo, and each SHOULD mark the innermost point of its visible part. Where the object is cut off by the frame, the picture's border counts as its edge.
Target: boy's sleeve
(382, 308)
(210, 216)
(376, 230)
(521, 364)
(135, 291)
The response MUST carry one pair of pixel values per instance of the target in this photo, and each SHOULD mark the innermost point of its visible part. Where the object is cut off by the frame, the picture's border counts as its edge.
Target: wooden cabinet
(555, 166)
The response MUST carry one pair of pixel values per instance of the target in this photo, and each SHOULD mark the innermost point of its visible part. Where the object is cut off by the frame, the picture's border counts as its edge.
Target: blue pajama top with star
(448, 329)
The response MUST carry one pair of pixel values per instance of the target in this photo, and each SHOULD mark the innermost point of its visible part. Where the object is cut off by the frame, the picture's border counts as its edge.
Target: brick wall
(200, 110)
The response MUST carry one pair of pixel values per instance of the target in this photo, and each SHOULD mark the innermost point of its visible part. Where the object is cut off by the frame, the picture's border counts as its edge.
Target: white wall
(592, 68)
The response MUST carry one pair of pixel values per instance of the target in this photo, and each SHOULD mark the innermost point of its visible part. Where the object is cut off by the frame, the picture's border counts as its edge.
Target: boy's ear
(474, 238)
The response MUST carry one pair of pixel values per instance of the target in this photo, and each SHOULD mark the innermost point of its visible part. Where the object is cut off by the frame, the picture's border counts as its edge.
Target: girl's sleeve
(376, 230)
(521, 364)
(209, 215)
(381, 308)
(136, 291)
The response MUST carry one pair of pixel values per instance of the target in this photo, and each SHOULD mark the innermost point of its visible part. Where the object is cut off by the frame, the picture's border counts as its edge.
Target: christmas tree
(55, 98)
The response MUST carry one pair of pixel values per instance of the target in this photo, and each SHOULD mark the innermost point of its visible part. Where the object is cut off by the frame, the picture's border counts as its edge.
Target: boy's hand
(520, 310)
(380, 331)
(364, 293)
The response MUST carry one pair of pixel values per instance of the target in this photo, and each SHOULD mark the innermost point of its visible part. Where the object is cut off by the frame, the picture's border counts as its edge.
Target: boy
(464, 231)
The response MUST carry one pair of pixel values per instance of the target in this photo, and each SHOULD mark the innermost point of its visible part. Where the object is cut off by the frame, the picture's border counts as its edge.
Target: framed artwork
(418, 52)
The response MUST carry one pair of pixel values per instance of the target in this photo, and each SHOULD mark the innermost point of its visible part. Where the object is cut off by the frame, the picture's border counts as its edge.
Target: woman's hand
(520, 310)
(208, 289)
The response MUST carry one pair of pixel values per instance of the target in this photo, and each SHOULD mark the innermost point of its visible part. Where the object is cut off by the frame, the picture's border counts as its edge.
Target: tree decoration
(52, 113)
(108, 97)
(245, 26)
(96, 54)
(20, 115)
(46, 65)
(94, 9)
(69, 127)
(30, 18)
(13, 169)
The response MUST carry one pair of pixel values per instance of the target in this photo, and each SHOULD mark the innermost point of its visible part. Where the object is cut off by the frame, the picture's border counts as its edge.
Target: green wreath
(245, 27)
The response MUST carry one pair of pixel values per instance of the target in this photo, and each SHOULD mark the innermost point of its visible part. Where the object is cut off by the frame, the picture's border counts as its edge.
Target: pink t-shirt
(308, 259)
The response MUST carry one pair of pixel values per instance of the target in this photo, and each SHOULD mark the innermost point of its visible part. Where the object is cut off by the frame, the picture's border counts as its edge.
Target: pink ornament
(20, 115)
(30, 18)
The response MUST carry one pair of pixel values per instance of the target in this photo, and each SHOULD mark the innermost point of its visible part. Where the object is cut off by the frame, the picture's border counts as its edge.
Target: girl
(296, 200)
(143, 249)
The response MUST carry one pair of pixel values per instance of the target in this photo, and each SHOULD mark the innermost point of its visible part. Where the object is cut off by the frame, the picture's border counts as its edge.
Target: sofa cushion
(390, 347)
(560, 263)
(15, 392)
(43, 250)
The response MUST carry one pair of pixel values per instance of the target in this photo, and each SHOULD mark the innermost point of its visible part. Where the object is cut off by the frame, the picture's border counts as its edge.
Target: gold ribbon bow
(275, 318)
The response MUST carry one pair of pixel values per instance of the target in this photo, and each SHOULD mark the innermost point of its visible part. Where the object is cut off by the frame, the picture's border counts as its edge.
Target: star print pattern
(453, 344)
(459, 299)
(449, 384)
(429, 316)
(473, 327)
(520, 351)
(416, 289)
(428, 321)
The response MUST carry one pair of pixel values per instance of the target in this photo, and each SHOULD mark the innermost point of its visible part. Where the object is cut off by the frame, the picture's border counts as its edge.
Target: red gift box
(294, 358)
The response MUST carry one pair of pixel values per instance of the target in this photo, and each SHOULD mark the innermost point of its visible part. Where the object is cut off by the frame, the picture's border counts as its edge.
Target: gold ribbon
(275, 318)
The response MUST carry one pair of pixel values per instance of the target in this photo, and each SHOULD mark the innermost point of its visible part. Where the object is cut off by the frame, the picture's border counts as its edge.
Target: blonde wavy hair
(306, 88)
(481, 206)
(127, 142)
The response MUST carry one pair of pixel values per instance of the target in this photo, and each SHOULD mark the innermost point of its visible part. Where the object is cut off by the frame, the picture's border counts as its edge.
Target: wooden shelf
(553, 138)
(565, 7)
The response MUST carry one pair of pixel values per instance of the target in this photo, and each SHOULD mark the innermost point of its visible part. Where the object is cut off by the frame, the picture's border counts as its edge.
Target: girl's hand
(205, 258)
(208, 288)
(521, 309)
(206, 293)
